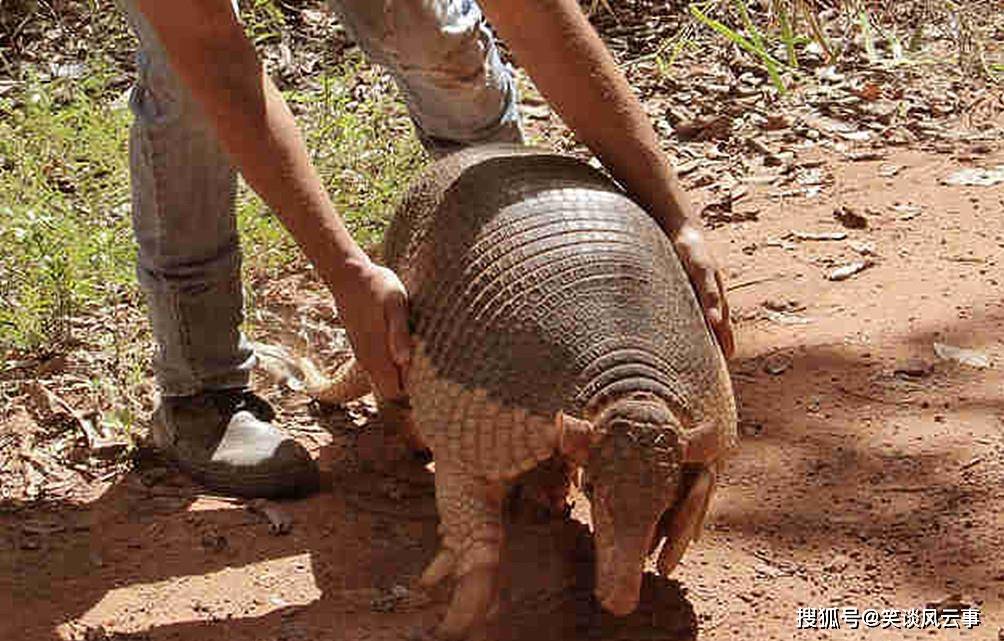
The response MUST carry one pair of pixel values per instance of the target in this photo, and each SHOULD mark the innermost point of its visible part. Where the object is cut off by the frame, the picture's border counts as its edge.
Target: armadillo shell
(533, 277)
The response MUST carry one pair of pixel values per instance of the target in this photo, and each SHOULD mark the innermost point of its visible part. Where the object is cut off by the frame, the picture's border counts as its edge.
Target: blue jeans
(458, 92)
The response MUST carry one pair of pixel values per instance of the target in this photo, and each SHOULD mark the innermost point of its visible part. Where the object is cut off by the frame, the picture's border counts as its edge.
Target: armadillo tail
(348, 383)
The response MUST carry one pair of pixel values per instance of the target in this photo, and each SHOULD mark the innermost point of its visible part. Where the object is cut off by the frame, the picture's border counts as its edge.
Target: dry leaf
(850, 218)
(961, 355)
(713, 128)
(870, 91)
(977, 177)
(846, 271)
(785, 318)
(906, 211)
(279, 521)
(820, 235)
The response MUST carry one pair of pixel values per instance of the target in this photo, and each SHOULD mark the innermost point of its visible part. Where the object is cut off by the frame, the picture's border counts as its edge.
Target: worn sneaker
(225, 440)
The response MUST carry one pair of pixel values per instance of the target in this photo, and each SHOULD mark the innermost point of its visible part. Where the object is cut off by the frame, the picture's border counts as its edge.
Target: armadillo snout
(620, 562)
(620, 598)
(631, 479)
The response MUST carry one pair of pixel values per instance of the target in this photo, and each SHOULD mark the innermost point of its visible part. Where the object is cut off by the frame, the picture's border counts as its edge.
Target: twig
(817, 32)
(750, 283)
(972, 463)
(874, 399)
(606, 5)
(903, 488)
(90, 433)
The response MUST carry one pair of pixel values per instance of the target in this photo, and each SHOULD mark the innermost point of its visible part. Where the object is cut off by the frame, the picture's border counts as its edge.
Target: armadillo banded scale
(532, 278)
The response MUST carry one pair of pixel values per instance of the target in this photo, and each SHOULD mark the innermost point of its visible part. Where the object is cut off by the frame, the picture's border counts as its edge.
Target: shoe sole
(248, 485)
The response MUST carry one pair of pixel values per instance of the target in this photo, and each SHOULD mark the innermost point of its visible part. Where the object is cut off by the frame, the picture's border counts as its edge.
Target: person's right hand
(373, 306)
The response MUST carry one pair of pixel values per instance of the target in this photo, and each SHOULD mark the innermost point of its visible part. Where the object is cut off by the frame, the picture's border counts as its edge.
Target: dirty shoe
(224, 439)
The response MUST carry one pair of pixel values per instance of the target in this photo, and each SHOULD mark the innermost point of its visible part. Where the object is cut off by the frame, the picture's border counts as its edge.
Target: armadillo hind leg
(687, 519)
(470, 512)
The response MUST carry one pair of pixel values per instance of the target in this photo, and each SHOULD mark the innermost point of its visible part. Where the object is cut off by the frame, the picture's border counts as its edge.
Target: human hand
(700, 265)
(373, 306)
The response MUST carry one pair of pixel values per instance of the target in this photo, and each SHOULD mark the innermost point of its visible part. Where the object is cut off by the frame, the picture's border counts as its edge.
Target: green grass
(753, 45)
(64, 217)
(65, 230)
(365, 151)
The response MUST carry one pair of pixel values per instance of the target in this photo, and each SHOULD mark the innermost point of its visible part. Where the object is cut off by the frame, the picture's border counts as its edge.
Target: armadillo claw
(473, 599)
(687, 520)
(441, 567)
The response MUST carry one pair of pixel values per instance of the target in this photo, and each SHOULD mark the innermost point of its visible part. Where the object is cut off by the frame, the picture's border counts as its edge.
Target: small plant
(785, 17)
(263, 21)
(790, 24)
(753, 45)
(64, 230)
(671, 48)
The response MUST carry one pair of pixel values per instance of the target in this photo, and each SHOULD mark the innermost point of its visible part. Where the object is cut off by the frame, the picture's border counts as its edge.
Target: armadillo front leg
(470, 512)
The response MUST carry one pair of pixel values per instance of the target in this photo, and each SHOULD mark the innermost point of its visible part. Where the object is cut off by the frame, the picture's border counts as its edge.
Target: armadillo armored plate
(535, 282)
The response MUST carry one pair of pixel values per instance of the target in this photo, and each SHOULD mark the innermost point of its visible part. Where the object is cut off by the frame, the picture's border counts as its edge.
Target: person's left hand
(373, 306)
(700, 264)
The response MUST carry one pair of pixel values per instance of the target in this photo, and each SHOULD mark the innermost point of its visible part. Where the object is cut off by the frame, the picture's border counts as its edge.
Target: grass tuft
(754, 45)
(64, 206)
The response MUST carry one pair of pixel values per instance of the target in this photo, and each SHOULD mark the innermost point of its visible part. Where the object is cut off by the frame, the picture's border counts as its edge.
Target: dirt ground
(869, 474)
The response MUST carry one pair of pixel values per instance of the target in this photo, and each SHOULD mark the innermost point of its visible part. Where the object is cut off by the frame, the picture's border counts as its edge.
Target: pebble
(776, 364)
(837, 564)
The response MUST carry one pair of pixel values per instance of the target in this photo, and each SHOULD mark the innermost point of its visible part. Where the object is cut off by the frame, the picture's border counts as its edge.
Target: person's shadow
(149, 561)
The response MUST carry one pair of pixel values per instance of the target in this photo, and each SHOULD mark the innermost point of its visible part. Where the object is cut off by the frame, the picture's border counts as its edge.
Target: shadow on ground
(159, 561)
(843, 452)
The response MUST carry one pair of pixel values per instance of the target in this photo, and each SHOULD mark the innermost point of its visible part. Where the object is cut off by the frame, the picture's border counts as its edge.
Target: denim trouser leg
(188, 264)
(457, 90)
(444, 59)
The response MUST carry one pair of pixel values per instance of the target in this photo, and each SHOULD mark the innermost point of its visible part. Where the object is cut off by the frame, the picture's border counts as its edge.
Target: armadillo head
(631, 458)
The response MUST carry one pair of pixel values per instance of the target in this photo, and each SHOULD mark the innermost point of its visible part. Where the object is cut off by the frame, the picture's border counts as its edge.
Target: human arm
(208, 50)
(554, 42)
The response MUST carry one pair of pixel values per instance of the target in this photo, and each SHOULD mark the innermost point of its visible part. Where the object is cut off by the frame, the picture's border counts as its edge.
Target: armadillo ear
(575, 436)
(702, 445)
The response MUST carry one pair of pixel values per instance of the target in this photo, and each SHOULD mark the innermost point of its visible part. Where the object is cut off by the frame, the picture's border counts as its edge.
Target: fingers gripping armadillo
(551, 315)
